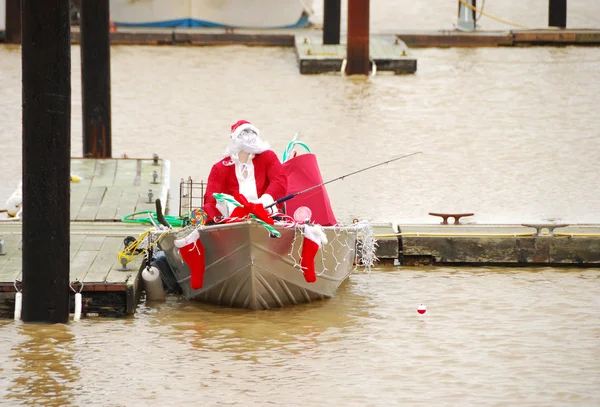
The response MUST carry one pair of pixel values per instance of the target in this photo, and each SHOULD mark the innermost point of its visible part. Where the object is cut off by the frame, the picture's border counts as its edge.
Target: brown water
(510, 134)
(490, 337)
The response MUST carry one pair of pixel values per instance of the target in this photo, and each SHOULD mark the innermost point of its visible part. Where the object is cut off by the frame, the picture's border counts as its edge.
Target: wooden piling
(46, 68)
(95, 78)
(13, 21)
(557, 13)
(358, 38)
(332, 10)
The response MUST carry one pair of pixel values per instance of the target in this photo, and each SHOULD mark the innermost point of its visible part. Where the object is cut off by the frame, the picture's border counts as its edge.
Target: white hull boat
(247, 268)
(210, 13)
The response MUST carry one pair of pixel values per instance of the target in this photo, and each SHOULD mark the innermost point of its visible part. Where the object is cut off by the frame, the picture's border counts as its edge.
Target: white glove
(267, 200)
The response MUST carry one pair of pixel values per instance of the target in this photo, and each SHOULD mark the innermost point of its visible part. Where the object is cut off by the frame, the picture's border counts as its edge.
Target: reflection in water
(44, 371)
(247, 335)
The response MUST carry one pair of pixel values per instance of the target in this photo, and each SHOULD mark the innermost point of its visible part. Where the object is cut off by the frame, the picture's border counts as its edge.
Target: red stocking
(192, 252)
(313, 239)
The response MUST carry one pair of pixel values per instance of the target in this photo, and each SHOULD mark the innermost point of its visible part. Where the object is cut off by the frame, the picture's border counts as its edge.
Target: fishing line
(290, 196)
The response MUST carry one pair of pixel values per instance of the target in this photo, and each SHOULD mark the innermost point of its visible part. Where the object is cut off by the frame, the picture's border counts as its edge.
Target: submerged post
(95, 78)
(46, 66)
(13, 21)
(332, 10)
(467, 18)
(358, 38)
(557, 13)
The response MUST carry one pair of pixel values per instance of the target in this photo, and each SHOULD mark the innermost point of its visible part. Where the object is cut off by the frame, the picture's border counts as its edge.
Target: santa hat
(238, 127)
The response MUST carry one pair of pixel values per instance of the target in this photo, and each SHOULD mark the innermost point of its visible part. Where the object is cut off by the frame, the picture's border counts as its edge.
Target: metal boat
(245, 267)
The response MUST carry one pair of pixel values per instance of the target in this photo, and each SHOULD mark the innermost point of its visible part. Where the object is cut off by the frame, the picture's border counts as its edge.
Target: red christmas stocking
(314, 237)
(192, 252)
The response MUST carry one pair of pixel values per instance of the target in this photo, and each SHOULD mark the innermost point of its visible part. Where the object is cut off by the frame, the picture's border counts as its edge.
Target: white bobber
(18, 305)
(77, 313)
(153, 284)
(421, 309)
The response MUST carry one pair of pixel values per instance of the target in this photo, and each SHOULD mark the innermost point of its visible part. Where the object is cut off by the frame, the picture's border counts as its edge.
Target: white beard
(247, 141)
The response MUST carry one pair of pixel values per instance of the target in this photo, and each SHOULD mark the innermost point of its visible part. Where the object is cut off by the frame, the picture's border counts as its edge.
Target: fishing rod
(290, 196)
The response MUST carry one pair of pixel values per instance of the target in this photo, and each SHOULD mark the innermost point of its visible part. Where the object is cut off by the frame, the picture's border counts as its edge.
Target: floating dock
(413, 38)
(106, 191)
(551, 245)
(387, 54)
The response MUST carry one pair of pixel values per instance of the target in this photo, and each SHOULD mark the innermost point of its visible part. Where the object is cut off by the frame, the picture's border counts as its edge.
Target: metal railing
(191, 195)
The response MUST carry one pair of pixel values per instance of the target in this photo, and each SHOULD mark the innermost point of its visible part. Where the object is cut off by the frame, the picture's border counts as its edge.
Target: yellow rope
(128, 254)
(481, 12)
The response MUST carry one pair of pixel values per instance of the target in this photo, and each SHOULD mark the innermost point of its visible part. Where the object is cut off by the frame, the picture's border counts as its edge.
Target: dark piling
(46, 68)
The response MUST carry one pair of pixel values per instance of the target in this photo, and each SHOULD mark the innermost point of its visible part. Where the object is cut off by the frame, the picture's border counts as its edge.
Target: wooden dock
(388, 53)
(112, 188)
(107, 288)
(108, 189)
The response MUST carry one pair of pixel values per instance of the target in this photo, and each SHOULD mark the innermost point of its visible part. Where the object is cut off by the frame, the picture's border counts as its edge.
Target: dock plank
(105, 260)
(81, 263)
(108, 207)
(126, 173)
(104, 174)
(143, 204)
(91, 203)
(92, 243)
(84, 168)
(12, 247)
(76, 240)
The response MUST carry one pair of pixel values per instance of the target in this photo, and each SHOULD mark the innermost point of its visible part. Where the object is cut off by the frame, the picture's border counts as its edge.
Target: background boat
(210, 13)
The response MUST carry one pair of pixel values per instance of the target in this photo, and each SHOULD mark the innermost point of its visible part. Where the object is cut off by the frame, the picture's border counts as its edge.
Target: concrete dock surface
(550, 244)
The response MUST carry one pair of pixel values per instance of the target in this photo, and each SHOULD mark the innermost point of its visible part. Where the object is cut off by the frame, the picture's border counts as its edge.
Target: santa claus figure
(249, 168)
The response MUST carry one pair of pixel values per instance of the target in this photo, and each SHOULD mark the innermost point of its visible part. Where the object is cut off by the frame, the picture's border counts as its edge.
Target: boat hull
(246, 268)
(209, 13)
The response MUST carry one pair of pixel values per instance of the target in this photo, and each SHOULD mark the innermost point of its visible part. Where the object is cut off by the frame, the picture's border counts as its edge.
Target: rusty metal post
(13, 21)
(358, 38)
(95, 78)
(46, 69)
(332, 10)
(557, 13)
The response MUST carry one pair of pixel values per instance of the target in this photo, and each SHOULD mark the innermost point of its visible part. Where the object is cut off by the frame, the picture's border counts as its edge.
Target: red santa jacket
(268, 172)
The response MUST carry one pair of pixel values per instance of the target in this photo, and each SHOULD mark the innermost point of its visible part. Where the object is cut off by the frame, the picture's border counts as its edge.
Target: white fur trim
(245, 126)
(191, 238)
(316, 234)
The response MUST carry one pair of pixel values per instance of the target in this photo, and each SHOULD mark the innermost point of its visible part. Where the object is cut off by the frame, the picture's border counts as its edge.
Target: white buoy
(153, 284)
(77, 314)
(18, 305)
